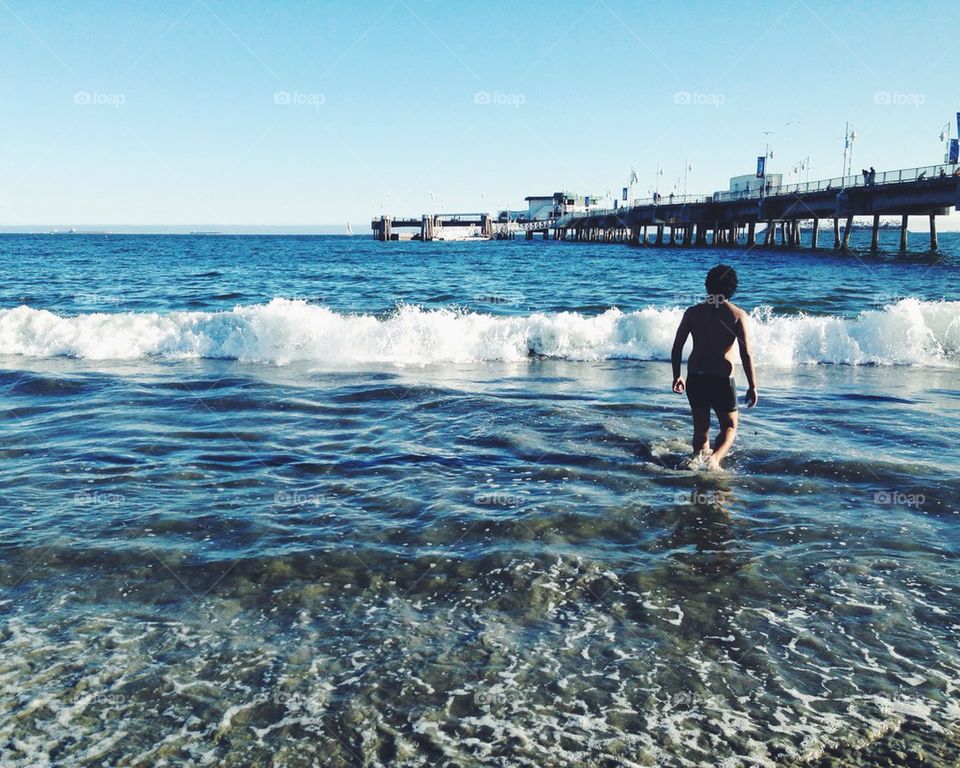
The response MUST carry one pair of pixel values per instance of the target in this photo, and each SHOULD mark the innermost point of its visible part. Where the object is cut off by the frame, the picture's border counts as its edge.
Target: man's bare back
(716, 325)
(714, 328)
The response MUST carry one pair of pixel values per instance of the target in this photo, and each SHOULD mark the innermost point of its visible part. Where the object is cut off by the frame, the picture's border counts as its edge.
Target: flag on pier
(954, 150)
(625, 191)
(761, 166)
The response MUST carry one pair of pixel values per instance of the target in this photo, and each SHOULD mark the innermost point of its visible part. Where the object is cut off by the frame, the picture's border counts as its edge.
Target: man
(715, 324)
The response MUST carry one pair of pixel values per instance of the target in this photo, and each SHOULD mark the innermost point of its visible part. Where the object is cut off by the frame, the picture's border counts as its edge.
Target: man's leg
(728, 431)
(701, 429)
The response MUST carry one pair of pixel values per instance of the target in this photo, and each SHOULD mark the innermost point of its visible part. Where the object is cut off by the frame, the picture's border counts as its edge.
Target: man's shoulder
(739, 313)
(707, 311)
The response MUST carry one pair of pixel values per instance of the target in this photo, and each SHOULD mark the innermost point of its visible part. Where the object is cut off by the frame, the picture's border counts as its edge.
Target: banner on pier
(954, 150)
(761, 166)
(625, 191)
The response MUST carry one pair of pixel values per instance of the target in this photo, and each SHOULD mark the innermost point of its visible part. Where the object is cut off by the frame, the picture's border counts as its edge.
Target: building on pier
(543, 207)
(750, 182)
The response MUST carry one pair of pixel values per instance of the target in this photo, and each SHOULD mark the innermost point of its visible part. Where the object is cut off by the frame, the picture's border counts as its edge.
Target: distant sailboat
(349, 229)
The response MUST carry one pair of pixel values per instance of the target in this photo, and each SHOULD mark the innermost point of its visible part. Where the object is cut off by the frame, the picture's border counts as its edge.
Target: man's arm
(746, 358)
(676, 355)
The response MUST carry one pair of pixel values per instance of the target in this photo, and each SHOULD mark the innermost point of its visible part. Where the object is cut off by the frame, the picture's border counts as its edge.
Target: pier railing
(837, 184)
(844, 182)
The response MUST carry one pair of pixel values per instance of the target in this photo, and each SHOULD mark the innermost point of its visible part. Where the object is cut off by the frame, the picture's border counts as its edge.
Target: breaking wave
(908, 332)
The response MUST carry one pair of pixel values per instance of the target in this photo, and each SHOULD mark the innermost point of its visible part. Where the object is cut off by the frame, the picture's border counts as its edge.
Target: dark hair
(722, 281)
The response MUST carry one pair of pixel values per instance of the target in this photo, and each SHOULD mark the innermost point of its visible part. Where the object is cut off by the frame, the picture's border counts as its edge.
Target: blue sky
(294, 113)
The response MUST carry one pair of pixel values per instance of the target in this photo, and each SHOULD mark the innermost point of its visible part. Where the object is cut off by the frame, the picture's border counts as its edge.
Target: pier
(731, 219)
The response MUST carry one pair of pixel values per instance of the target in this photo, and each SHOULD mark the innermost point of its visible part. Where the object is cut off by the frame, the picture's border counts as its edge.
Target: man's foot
(713, 464)
(699, 459)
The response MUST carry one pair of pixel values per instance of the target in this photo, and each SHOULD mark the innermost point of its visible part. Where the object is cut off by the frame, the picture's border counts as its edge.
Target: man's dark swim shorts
(714, 391)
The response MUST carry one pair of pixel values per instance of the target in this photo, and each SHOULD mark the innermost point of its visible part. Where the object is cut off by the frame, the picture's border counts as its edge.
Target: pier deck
(732, 218)
(723, 217)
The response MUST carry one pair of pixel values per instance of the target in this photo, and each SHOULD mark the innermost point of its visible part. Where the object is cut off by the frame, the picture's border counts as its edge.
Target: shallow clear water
(422, 503)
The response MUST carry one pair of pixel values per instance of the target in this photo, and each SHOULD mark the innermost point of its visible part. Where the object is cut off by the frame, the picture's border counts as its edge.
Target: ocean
(323, 501)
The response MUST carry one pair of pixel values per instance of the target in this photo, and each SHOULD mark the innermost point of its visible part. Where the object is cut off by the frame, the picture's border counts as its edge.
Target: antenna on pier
(849, 135)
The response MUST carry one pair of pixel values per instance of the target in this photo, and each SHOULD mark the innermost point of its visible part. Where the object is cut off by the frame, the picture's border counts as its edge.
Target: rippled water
(322, 530)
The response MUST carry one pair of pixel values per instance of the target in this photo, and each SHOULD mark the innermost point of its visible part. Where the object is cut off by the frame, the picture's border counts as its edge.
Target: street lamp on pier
(767, 155)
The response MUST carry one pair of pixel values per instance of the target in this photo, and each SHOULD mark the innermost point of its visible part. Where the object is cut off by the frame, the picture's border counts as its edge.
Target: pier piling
(847, 227)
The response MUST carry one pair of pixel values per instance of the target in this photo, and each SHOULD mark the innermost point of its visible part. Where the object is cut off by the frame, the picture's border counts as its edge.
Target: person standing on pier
(715, 324)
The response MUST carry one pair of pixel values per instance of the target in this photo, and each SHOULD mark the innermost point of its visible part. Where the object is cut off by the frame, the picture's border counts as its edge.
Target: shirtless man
(715, 324)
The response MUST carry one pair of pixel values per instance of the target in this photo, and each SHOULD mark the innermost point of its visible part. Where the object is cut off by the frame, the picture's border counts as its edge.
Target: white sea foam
(909, 332)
